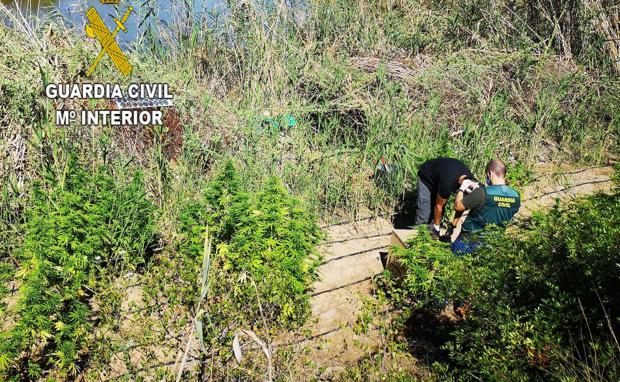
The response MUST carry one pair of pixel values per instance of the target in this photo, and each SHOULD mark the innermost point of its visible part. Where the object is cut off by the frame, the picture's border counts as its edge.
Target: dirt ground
(552, 182)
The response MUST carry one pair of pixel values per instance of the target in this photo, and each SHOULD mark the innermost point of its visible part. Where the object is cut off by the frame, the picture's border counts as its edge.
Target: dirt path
(553, 182)
(352, 259)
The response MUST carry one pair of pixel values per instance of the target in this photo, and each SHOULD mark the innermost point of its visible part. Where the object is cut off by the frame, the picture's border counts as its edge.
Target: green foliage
(74, 229)
(380, 367)
(275, 246)
(258, 273)
(424, 260)
(225, 202)
(405, 80)
(616, 175)
(265, 245)
(518, 176)
(542, 301)
(9, 240)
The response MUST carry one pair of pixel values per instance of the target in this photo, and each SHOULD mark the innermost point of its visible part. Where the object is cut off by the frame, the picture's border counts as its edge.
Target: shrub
(265, 244)
(542, 300)
(423, 258)
(73, 229)
(275, 246)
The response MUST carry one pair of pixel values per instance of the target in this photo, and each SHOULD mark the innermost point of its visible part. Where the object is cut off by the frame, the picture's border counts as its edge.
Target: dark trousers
(425, 204)
(464, 245)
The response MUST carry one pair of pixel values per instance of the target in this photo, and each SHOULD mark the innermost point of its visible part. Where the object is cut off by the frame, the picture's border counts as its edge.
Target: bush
(542, 301)
(424, 258)
(534, 297)
(265, 244)
(275, 246)
(73, 230)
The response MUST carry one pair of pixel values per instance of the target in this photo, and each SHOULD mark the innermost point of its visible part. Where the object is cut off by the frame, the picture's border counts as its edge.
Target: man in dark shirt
(501, 204)
(437, 180)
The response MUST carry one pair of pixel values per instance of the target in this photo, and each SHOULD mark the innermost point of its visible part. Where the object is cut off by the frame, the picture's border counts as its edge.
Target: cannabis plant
(75, 227)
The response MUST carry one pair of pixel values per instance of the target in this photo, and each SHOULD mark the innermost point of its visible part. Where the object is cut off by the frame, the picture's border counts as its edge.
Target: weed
(540, 300)
(74, 228)
(424, 260)
(267, 238)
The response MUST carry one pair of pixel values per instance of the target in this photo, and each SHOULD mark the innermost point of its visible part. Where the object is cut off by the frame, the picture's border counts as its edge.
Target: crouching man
(501, 204)
(437, 180)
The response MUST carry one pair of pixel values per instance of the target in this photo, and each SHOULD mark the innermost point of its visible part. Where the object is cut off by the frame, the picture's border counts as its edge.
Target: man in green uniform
(501, 204)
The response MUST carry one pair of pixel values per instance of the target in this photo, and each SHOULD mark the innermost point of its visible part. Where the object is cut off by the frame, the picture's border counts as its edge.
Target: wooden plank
(398, 239)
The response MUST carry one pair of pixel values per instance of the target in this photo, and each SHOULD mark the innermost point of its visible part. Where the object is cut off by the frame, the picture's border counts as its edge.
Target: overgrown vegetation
(540, 301)
(261, 263)
(364, 80)
(306, 100)
(79, 230)
(265, 249)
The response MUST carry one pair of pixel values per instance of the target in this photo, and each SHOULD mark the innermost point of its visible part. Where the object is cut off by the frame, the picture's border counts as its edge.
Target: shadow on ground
(405, 211)
(426, 332)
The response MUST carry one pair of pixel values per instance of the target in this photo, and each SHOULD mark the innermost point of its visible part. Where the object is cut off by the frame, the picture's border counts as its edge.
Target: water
(155, 14)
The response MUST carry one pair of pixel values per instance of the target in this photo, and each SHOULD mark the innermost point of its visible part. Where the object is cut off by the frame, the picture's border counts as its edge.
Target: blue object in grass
(463, 246)
(290, 120)
(285, 122)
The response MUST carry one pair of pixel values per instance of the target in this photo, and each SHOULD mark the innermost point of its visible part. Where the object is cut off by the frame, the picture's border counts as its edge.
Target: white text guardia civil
(107, 91)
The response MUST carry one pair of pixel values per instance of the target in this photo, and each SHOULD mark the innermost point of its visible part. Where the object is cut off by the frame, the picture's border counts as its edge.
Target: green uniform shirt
(501, 203)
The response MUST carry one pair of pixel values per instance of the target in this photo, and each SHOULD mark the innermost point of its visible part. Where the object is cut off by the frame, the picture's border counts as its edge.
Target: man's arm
(459, 208)
(439, 204)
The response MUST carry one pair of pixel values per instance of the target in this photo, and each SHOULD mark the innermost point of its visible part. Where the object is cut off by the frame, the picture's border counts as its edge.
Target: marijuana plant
(74, 228)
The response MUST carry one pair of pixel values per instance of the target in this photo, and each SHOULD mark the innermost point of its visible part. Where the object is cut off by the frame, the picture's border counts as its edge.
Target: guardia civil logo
(97, 29)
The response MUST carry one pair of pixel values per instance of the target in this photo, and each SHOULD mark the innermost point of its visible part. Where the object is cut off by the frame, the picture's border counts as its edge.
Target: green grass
(521, 103)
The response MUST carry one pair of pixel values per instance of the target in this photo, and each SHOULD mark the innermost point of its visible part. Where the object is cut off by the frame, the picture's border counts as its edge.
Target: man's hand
(447, 237)
(468, 186)
(450, 230)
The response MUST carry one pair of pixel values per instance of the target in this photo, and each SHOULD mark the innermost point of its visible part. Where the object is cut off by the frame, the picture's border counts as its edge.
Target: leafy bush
(423, 258)
(534, 297)
(241, 260)
(73, 229)
(265, 250)
(542, 301)
(275, 245)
